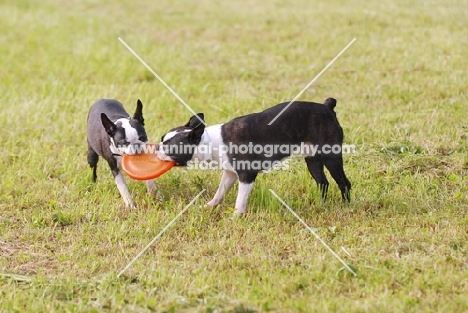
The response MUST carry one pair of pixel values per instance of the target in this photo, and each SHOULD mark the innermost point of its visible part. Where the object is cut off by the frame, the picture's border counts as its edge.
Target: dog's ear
(195, 121)
(196, 133)
(138, 115)
(108, 125)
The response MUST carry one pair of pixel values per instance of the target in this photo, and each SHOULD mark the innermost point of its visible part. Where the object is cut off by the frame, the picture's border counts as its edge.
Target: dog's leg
(151, 186)
(315, 166)
(153, 189)
(246, 183)
(227, 181)
(122, 186)
(334, 164)
(120, 182)
(93, 159)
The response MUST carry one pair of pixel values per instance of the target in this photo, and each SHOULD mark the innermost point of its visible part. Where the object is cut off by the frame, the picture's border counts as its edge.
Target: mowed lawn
(402, 91)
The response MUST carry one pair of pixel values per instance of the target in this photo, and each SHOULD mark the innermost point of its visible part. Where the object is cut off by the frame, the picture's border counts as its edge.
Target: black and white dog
(303, 123)
(111, 132)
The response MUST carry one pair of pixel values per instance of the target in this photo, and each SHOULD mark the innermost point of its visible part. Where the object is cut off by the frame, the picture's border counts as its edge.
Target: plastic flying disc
(145, 166)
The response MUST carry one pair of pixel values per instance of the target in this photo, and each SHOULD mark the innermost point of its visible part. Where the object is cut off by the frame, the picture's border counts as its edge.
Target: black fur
(302, 122)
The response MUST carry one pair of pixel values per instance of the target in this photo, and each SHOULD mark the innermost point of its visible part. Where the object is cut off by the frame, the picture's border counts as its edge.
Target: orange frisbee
(145, 166)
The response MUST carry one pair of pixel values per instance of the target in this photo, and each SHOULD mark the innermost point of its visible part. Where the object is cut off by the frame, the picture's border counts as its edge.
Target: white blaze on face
(130, 133)
(172, 134)
(161, 153)
(169, 135)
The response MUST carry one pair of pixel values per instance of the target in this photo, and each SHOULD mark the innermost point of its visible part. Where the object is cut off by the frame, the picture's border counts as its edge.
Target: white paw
(151, 187)
(211, 204)
(152, 191)
(158, 195)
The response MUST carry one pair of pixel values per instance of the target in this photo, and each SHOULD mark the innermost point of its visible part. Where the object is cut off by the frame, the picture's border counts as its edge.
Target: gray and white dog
(112, 132)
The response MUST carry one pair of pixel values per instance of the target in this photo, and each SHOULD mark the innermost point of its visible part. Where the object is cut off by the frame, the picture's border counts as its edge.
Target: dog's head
(179, 143)
(128, 134)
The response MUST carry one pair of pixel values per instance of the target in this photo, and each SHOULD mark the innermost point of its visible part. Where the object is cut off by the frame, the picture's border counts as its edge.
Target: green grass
(402, 99)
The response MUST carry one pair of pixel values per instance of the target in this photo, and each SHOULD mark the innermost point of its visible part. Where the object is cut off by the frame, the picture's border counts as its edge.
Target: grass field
(402, 100)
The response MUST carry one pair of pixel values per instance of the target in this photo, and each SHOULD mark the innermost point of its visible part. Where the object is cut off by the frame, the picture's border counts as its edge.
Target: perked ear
(196, 133)
(196, 121)
(108, 125)
(138, 115)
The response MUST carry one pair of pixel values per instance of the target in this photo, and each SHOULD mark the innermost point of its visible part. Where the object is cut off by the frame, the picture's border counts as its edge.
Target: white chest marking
(216, 143)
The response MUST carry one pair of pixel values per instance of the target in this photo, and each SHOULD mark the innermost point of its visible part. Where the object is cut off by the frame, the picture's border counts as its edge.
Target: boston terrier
(248, 145)
(112, 132)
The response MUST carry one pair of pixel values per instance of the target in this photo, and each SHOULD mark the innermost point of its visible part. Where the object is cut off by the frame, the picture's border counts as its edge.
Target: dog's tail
(330, 103)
